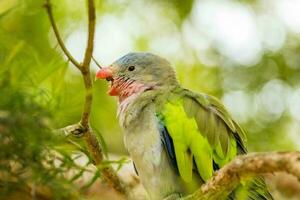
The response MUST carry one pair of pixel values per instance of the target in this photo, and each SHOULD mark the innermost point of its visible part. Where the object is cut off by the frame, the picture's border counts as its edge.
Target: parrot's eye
(131, 68)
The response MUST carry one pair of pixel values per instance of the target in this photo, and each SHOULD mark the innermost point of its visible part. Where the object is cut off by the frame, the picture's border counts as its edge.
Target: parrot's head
(136, 73)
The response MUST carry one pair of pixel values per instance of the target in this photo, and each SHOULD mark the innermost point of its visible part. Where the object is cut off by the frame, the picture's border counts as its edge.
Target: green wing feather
(202, 130)
(187, 145)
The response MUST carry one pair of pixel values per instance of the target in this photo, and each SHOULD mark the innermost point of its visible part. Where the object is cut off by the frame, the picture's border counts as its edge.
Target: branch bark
(83, 129)
(245, 166)
(86, 64)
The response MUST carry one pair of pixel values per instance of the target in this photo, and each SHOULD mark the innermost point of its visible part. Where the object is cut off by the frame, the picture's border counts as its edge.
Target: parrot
(176, 138)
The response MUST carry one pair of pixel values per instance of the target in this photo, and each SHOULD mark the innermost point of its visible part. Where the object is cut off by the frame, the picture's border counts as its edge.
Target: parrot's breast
(143, 142)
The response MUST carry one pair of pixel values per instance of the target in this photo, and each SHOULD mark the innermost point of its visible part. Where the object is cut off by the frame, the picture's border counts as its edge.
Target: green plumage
(202, 130)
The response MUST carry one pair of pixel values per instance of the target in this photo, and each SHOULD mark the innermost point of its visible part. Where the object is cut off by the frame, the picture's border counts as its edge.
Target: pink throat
(124, 88)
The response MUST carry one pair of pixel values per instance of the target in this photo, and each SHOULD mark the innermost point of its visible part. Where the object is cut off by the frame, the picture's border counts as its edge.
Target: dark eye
(131, 68)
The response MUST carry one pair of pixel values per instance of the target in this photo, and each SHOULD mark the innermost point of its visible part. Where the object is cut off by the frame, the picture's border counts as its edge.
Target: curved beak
(105, 73)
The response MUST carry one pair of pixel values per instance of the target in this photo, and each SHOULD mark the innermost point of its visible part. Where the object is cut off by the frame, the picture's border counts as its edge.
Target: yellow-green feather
(188, 142)
(201, 129)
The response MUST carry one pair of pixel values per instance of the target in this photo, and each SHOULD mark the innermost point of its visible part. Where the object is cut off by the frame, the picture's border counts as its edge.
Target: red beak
(104, 73)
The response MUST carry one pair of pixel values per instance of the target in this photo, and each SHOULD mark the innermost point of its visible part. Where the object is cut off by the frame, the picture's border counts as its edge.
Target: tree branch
(48, 7)
(83, 128)
(245, 166)
(86, 64)
(94, 148)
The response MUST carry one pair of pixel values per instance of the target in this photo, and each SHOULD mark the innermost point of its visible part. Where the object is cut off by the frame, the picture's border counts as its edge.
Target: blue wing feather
(168, 144)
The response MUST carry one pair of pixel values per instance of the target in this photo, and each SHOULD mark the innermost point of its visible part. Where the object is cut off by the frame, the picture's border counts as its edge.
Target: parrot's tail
(251, 190)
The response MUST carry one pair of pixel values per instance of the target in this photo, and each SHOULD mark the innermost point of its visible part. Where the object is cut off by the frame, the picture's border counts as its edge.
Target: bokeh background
(247, 53)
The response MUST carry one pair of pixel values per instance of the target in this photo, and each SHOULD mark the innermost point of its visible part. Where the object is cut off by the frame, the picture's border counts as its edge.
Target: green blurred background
(247, 53)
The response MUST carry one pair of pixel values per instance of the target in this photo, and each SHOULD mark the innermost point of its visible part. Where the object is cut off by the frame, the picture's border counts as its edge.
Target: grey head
(145, 68)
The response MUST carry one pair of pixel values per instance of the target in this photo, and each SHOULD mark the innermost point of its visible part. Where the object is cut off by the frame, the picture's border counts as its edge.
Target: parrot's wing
(202, 132)
(213, 121)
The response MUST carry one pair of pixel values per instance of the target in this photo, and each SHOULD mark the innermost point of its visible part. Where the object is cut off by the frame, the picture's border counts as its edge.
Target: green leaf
(102, 142)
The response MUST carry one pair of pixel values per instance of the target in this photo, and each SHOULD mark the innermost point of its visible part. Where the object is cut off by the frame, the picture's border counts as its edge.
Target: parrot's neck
(130, 108)
(135, 89)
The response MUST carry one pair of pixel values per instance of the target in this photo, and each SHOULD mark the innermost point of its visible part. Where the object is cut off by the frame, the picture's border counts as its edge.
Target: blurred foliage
(34, 161)
(40, 91)
(25, 148)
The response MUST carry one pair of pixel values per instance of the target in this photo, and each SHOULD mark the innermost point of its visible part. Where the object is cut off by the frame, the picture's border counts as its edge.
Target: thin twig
(91, 33)
(48, 7)
(96, 62)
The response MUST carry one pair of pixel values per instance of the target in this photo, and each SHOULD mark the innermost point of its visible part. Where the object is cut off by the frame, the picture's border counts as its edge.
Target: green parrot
(176, 138)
